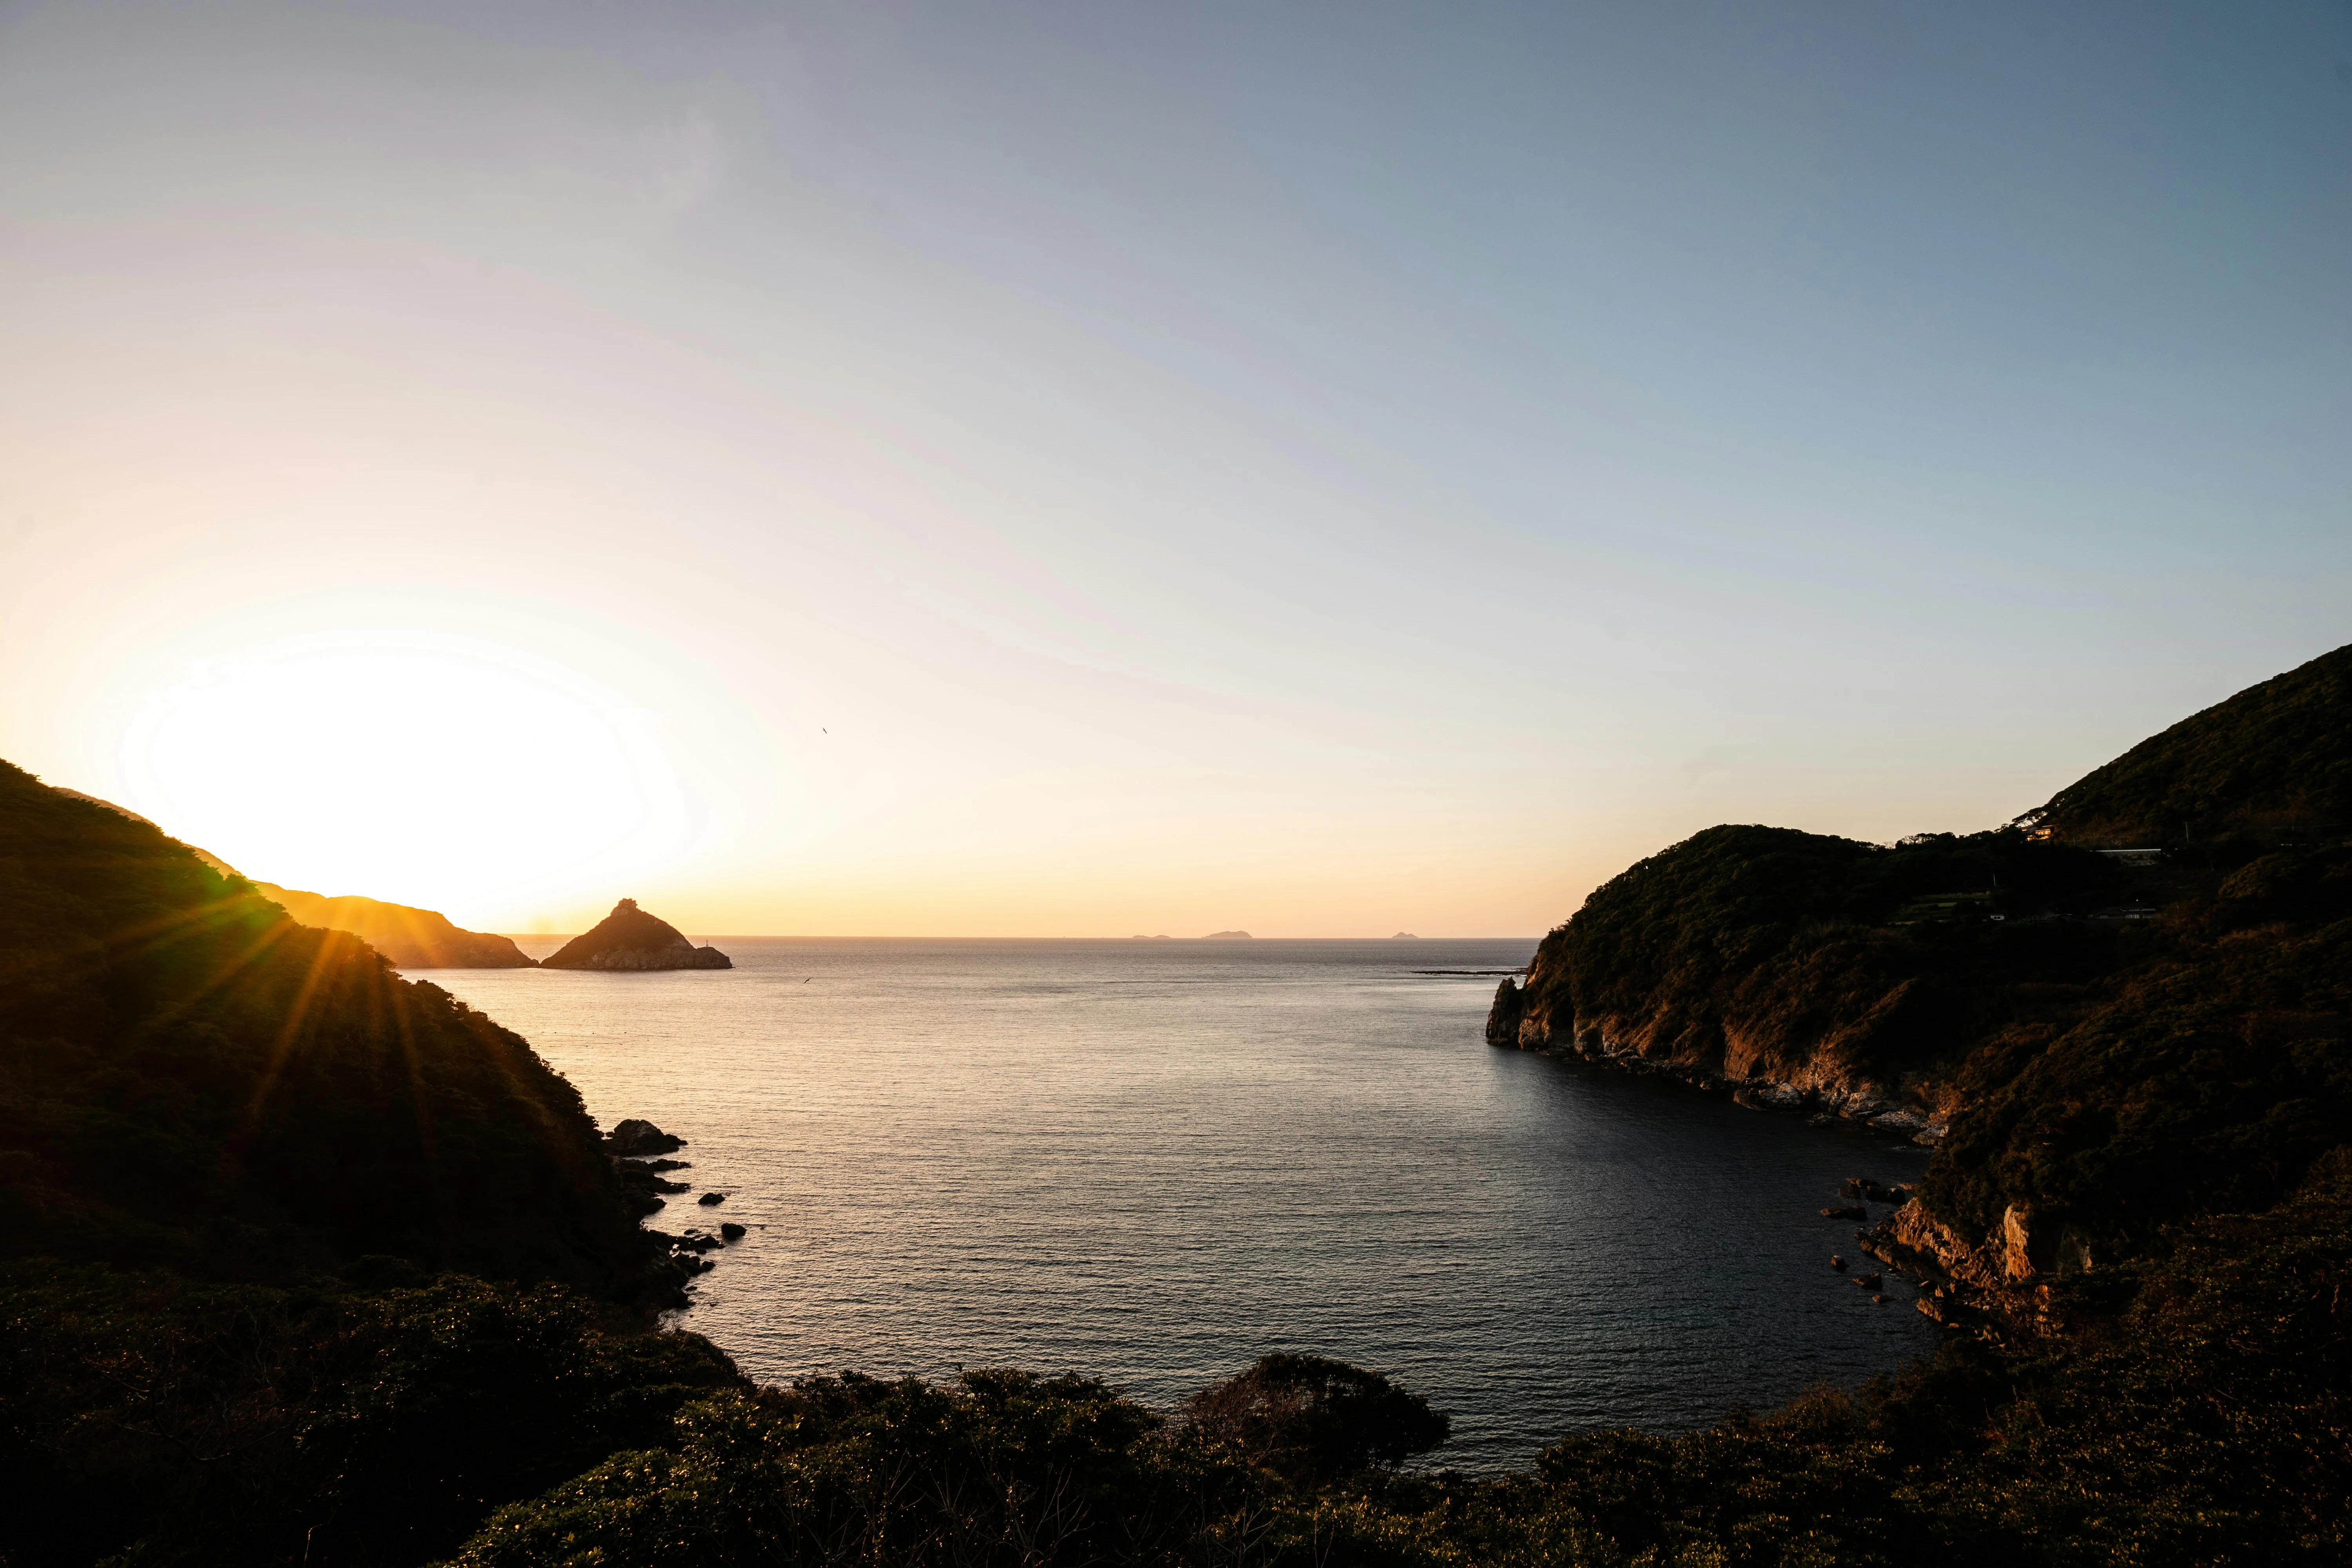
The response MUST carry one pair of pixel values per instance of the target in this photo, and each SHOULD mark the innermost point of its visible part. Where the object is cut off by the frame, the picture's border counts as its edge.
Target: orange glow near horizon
(864, 470)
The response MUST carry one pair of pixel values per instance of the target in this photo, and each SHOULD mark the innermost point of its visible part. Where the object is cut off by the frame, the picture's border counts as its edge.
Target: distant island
(1163, 936)
(631, 939)
(411, 938)
(1227, 936)
(1404, 936)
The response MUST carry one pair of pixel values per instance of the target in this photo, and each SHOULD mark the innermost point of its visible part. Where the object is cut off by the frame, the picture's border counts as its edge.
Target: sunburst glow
(454, 776)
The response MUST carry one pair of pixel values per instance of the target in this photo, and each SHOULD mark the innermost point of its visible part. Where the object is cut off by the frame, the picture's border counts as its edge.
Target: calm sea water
(1154, 1162)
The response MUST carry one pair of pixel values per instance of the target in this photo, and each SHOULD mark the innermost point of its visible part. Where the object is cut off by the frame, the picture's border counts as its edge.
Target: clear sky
(1097, 468)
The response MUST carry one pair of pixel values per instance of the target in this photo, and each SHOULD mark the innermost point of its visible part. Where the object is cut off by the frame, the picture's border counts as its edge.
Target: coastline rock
(730, 1231)
(1826, 1091)
(635, 1137)
(1503, 1018)
(639, 1176)
(708, 1200)
(628, 940)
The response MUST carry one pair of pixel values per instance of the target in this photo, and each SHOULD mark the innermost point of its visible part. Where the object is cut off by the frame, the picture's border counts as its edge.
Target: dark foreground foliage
(188, 1423)
(276, 1133)
(2199, 1411)
(2197, 1414)
(189, 1078)
(1310, 1419)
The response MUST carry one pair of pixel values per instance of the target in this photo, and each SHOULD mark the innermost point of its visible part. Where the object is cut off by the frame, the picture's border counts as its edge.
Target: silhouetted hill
(2112, 1047)
(187, 1076)
(630, 939)
(411, 938)
(209, 858)
(2275, 758)
(1786, 963)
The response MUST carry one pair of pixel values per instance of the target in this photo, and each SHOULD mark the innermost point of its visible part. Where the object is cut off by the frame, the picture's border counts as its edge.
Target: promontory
(411, 938)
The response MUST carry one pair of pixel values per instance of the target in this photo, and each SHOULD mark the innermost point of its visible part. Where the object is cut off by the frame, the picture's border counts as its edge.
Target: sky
(1089, 470)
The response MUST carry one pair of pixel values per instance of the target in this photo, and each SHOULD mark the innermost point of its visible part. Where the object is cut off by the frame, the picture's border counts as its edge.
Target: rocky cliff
(630, 939)
(1796, 970)
(2097, 1047)
(411, 938)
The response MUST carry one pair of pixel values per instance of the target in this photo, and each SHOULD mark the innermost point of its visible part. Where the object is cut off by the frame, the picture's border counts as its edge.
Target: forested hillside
(1783, 960)
(2113, 1045)
(2274, 762)
(188, 1077)
(315, 1266)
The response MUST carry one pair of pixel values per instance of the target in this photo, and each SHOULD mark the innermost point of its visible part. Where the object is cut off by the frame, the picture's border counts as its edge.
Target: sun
(458, 774)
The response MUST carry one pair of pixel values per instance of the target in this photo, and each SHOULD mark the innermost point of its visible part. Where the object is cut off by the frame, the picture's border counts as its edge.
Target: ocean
(1152, 1161)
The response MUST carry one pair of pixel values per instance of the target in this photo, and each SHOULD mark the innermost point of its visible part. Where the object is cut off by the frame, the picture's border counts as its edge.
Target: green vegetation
(1767, 952)
(2112, 1075)
(182, 1422)
(2115, 1049)
(189, 1078)
(242, 1322)
(2215, 1068)
(2274, 759)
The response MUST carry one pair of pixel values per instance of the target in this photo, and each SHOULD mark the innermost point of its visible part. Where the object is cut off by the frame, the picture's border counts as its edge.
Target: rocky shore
(1819, 1085)
(2000, 1283)
(639, 1152)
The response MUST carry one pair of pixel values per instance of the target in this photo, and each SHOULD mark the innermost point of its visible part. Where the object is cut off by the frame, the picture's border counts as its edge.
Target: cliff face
(630, 939)
(411, 938)
(2097, 1050)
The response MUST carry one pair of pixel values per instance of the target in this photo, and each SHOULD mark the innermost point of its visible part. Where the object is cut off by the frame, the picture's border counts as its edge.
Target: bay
(1154, 1161)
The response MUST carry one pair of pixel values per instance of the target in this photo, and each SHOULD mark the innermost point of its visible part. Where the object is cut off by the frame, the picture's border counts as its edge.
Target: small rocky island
(630, 939)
